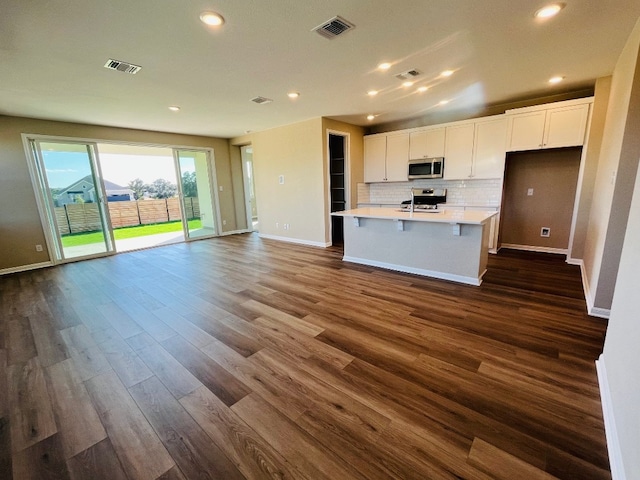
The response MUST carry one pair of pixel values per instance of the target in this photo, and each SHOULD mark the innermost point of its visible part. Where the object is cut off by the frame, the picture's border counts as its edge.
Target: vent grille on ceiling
(261, 100)
(333, 27)
(408, 75)
(122, 66)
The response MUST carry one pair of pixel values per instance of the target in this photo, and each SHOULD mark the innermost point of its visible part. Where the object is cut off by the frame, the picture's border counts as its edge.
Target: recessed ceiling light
(557, 79)
(549, 10)
(407, 84)
(370, 117)
(211, 18)
(446, 73)
(372, 93)
(384, 66)
(443, 102)
(423, 89)
(293, 94)
(174, 108)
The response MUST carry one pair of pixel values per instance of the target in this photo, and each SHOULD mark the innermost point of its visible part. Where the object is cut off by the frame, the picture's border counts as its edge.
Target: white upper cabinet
(548, 128)
(397, 158)
(458, 153)
(565, 127)
(375, 153)
(477, 148)
(386, 158)
(527, 130)
(489, 151)
(426, 143)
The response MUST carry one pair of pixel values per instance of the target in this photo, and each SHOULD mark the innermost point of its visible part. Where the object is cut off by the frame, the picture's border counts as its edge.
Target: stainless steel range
(425, 199)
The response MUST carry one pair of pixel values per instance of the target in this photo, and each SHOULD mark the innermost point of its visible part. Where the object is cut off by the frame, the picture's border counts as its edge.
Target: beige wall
(614, 180)
(553, 176)
(590, 167)
(295, 152)
(621, 356)
(299, 152)
(20, 226)
(237, 174)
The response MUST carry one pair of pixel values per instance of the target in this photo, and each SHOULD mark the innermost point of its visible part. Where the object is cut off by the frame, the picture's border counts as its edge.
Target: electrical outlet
(224, 222)
(281, 179)
(38, 248)
(277, 225)
(286, 226)
(221, 188)
(545, 232)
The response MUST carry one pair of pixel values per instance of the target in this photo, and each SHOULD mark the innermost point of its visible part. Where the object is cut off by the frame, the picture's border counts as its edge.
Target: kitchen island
(447, 244)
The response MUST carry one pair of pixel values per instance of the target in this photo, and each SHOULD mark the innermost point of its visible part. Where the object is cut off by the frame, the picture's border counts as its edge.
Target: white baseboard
(235, 232)
(417, 271)
(294, 240)
(591, 309)
(534, 248)
(24, 268)
(613, 445)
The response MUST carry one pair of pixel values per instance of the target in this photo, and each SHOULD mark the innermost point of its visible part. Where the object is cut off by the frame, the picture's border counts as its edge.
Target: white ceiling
(52, 55)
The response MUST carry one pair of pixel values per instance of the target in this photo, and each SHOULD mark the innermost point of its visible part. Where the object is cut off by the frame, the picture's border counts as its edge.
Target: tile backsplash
(485, 192)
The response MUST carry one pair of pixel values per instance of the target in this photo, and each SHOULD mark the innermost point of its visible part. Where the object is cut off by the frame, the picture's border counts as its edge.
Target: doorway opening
(338, 183)
(142, 195)
(538, 200)
(99, 199)
(246, 153)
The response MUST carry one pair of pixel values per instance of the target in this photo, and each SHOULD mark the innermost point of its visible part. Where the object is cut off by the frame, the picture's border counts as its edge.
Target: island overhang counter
(447, 244)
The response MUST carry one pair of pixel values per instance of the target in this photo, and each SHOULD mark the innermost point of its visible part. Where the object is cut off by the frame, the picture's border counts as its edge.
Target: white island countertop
(467, 217)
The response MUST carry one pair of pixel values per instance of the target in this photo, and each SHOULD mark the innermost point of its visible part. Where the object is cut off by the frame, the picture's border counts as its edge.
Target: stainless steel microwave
(426, 168)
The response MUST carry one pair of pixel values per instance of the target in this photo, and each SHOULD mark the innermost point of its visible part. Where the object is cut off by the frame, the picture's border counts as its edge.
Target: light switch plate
(530, 192)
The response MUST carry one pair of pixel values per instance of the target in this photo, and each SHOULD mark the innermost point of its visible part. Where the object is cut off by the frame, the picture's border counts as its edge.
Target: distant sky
(65, 168)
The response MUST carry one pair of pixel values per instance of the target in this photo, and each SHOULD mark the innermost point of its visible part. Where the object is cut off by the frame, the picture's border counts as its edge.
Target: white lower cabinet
(493, 226)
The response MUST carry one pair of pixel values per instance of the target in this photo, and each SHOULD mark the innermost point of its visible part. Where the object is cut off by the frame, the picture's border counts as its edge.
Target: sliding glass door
(197, 193)
(72, 196)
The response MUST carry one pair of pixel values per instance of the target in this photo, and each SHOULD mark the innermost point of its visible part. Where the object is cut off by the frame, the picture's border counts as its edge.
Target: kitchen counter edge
(468, 217)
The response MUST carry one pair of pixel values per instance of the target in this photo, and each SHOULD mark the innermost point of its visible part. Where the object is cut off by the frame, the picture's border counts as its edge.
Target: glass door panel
(197, 193)
(69, 180)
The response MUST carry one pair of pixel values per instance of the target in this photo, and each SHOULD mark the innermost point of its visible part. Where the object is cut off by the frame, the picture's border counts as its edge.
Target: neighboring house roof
(110, 187)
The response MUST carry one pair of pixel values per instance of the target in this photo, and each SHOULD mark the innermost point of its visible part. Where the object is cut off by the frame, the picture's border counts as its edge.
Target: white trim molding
(299, 241)
(24, 268)
(416, 271)
(613, 444)
(591, 309)
(234, 232)
(534, 248)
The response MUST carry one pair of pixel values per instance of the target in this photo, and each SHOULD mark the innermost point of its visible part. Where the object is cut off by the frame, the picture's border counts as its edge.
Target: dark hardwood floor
(242, 358)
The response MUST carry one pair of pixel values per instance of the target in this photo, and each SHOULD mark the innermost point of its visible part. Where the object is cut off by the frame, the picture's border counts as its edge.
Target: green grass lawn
(123, 233)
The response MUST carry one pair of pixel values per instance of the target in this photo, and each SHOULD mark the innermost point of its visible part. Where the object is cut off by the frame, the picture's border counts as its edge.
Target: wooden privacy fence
(84, 217)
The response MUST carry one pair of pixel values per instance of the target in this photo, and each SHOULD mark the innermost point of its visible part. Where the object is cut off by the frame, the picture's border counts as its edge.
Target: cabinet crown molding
(547, 106)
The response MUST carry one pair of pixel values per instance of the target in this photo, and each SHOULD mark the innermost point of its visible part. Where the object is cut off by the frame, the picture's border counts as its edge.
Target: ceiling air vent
(334, 27)
(408, 75)
(261, 100)
(122, 66)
